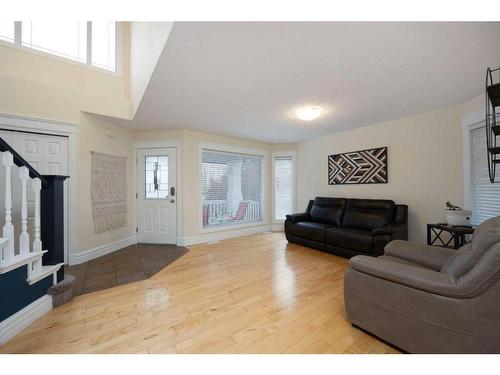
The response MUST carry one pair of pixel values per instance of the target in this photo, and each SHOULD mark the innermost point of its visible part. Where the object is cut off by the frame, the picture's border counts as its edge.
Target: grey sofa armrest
(296, 218)
(428, 256)
(415, 277)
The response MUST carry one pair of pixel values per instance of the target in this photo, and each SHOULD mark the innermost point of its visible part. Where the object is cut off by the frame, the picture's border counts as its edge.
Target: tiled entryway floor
(133, 263)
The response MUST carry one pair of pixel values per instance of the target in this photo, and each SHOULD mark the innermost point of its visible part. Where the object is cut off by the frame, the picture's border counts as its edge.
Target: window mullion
(89, 43)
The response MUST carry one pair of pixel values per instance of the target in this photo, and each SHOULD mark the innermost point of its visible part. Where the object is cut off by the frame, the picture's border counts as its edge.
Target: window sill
(231, 227)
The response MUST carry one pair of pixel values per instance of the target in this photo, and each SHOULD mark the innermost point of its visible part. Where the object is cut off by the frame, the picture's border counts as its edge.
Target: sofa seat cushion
(349, 238)
(310, 230)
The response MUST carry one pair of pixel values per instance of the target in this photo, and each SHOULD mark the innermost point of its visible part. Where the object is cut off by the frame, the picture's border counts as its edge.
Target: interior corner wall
(190, 180)
(425, 168)
(95, 134)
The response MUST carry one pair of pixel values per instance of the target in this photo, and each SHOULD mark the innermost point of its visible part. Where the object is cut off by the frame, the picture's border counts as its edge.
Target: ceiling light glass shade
(308, 113)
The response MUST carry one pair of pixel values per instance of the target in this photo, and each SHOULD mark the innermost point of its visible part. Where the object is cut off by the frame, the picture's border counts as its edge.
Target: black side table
(457, 235)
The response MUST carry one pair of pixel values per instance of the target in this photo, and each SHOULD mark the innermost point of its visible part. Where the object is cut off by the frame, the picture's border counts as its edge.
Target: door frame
(65, 129)
(176, 144)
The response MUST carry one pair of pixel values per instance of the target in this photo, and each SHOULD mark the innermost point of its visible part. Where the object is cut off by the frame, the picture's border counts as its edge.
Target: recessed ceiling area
(247, 79)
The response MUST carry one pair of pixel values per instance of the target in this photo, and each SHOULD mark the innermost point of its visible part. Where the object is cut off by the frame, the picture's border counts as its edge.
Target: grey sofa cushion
(485, 236)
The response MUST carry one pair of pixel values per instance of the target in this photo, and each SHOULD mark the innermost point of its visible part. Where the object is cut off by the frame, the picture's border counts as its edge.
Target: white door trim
(163, 144)
(66, 129)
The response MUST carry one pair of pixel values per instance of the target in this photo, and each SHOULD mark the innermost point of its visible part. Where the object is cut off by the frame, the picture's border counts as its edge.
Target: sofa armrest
(428, 256)
(382, 230)
(296, 218)
(414, 277)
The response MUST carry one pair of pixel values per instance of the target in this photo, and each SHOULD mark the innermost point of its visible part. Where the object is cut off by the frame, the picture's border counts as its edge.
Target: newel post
(52, 221)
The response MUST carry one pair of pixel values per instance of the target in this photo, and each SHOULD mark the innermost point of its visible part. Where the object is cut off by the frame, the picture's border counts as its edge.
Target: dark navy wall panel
(16, 293)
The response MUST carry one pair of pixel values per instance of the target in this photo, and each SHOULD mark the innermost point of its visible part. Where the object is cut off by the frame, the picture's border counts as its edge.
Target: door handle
(172, 191)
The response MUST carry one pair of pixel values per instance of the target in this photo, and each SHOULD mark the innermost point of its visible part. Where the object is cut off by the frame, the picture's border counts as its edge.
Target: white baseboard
(23, 318)
(99, 251)
(278, 227)
(217, 236)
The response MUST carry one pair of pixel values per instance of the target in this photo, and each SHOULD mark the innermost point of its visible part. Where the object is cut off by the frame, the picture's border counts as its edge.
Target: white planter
(458, 217)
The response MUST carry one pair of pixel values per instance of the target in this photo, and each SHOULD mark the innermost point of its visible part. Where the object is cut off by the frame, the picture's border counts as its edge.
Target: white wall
(425, 167)
(147, 41)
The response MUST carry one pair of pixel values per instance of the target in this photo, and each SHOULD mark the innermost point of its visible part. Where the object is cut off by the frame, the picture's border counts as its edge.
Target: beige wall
(424, 161)
(36, 85)
(39, 86)
(97, 135)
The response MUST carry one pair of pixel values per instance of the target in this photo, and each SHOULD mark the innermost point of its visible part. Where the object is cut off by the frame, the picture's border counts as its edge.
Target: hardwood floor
(253, 294)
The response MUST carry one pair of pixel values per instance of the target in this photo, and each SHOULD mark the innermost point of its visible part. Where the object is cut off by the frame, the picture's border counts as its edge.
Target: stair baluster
(24, 237)
(37, 186)
(8, 228)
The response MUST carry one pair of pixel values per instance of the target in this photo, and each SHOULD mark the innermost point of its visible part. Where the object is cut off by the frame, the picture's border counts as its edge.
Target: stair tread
(18, 261)
(494, 94)
(496, 129)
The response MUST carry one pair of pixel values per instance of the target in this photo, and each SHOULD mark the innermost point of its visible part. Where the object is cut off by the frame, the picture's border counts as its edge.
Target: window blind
(231, 186)
(283, 186)
(485, 195)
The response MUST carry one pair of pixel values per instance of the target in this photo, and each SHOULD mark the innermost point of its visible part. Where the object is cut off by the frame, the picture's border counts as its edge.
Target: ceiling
(245, 79)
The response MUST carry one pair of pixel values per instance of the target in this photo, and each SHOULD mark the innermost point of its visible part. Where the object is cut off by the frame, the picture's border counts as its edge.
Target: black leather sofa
(348, 227)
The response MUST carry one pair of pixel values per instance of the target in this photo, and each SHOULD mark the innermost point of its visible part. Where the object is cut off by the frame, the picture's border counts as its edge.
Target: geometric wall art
(358, 167)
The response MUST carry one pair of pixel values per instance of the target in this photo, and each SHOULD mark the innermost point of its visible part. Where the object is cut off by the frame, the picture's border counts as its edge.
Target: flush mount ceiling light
(309, 113)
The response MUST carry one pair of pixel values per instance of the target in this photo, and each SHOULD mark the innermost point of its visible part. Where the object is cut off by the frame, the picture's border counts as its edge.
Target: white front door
(157, 195)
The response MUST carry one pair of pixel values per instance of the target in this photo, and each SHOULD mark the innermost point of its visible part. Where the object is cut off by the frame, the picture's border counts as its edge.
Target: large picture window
(90, 43)
(232, 189)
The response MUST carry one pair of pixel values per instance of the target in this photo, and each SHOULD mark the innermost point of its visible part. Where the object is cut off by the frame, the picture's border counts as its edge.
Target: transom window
(232, 189)
(156, 177)
(90, 43)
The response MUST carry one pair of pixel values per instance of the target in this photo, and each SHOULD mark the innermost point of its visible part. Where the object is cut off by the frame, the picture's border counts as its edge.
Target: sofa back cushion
(328, 210)
(486, 235)
(368, 214)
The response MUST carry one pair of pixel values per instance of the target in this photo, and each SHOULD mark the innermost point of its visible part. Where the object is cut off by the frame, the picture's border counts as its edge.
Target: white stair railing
(32, 259)
(24, 237)
(8, 228)
(37, 186)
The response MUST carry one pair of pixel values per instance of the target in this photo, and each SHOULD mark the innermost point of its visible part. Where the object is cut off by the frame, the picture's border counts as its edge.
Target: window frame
(293, 155)
(17, 44)
(263, 181)
(470, 122)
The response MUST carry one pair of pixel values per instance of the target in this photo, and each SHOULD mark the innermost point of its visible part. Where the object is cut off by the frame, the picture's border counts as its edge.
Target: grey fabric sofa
(426, 299)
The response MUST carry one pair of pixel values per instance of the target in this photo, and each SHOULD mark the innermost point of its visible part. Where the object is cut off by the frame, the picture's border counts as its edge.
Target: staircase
(492, 120)
(27, 269)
